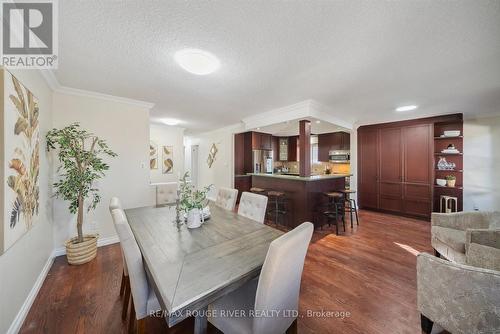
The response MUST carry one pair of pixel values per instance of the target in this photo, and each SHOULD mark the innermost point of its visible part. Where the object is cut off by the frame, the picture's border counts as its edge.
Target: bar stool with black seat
(277, 205)
(350, 205)
(335, 209)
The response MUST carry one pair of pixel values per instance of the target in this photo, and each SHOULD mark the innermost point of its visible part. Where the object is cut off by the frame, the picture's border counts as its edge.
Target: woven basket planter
(83, 252)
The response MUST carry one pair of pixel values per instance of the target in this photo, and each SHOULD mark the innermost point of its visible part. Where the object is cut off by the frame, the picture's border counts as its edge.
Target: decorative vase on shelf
(451, 183)
(194, 218)
(442, 163)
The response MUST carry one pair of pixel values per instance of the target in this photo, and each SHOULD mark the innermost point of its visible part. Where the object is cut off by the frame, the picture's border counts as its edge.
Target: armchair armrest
(460, 298)
(464, 220)
(483, 248)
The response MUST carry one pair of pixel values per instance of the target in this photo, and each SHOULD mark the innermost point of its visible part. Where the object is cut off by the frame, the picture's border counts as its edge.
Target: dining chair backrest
(253, 206)
(114, 203)
(166, 193)
(226, 198)
(138, 279)
(279, 282)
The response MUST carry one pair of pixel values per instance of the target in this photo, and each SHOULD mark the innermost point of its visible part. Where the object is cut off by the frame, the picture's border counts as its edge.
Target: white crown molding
(54, 84)
(303, 109)
(322, 112)
(87, 93)
(283, 114)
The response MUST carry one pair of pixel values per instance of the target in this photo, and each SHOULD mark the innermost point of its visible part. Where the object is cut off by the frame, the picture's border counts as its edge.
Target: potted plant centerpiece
(450, 180)
(80, 154)
(192, 201)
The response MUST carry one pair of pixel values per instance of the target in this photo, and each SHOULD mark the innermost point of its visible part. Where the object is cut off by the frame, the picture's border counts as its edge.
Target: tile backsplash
(316, 168)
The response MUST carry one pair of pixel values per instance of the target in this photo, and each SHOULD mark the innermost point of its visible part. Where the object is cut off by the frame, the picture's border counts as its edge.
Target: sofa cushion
(453, 238)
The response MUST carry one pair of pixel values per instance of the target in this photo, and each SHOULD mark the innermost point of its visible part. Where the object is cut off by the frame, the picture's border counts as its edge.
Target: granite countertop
(300, 178)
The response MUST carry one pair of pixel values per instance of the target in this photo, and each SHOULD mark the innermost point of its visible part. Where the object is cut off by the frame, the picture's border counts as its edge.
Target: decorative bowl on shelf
(452, 133)
(441, 182)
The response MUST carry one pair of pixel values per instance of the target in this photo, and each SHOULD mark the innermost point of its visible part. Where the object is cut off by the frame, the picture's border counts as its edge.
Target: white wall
(21, 264)
(164, 135)
(125, 127)
(482, 164)
(221, 174)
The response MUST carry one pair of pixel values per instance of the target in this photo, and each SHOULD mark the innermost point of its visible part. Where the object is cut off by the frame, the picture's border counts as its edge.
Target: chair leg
(293, 328)
(351, 213)
(426, 324)
(141, 326)
(132, 320)
(126, 298)
(122, 286)
(356, 212)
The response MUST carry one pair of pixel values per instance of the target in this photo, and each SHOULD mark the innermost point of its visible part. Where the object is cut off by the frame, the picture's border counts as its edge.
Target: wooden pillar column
(305, 148)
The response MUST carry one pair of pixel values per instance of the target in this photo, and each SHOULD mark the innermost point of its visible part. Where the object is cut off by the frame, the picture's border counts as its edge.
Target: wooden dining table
(191, 268)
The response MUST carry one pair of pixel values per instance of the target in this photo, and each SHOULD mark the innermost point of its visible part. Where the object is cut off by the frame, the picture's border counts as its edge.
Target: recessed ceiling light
(197, 61)
(170, 121)
(407, 108)
(317, 122)
(258, 128)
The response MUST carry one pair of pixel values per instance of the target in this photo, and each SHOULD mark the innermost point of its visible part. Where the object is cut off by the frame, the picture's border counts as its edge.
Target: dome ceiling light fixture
(197, 61)
(170, 121)
(406, 108)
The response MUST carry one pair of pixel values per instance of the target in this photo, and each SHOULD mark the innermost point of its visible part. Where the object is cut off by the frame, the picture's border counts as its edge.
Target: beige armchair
(463, 298)
(449, 231)
(460, 298)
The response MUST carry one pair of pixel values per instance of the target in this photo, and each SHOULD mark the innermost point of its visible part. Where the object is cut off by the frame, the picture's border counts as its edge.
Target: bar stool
(351, 206)
(257, 190)
(336, 203)
(277, 205)
(450, 204)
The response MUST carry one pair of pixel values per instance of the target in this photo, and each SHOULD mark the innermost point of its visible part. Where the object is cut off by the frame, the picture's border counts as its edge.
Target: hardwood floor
(368, 277)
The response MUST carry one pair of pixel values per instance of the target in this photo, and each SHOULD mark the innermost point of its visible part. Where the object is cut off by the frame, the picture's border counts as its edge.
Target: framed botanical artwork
(168, 159)
(19, 160)
(153, 155)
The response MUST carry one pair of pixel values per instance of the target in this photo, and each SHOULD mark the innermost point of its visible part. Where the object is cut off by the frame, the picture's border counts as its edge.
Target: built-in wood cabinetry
(261, 141)
(335, 141)
(396, 166)
(293, 148)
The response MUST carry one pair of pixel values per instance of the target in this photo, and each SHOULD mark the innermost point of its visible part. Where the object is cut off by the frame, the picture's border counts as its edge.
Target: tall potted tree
(81, 156)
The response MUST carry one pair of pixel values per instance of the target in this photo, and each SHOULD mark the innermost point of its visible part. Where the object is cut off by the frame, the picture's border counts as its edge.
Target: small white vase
(194, 218)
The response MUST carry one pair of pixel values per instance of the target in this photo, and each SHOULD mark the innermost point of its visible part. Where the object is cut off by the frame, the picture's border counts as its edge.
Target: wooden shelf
(445, 187)
(449, 170)
(457, 154)
(439, 138)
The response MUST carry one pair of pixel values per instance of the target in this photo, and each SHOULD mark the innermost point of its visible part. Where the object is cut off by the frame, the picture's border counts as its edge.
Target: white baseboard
(100, 242)
(25, 308)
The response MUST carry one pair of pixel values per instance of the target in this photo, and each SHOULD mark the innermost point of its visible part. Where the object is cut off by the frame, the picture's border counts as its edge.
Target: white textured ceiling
(359, 58)
(291, 128)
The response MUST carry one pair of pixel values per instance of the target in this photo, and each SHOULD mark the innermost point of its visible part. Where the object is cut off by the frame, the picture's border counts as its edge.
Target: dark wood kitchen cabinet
(261, 141)
(293, 148)
(396, 166)
(335, 141)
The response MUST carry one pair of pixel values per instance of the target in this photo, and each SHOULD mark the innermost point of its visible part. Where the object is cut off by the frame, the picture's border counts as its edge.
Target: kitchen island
(305, 194)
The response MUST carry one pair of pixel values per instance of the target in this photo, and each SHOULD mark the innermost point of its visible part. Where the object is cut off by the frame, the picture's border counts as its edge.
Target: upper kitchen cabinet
(261, 141)
(335, 141)
(293, 148)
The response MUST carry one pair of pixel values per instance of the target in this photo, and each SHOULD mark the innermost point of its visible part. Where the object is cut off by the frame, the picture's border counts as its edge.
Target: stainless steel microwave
(339, 157)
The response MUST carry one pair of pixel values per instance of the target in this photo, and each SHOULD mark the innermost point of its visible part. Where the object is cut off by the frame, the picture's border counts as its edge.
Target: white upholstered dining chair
(166, 193)
(253, 206)
(143, 301)
(277, 289)
(226, 198)
(115, 203)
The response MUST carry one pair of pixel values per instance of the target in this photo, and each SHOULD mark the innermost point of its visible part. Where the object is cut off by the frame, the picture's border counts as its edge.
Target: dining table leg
(200, 321)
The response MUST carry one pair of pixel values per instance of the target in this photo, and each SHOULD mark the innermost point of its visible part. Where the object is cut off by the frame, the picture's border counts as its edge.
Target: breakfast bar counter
(305, 195)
